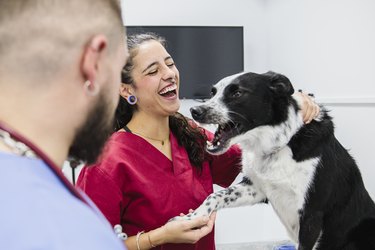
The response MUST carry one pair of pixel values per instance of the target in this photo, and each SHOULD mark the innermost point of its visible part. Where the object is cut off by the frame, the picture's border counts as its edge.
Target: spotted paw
(203, 210)
(177, 218)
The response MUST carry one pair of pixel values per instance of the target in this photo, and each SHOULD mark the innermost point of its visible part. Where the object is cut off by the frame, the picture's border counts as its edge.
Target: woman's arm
(177, 231)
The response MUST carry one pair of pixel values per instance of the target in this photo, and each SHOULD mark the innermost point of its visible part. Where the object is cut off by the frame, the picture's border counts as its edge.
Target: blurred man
(60, 64)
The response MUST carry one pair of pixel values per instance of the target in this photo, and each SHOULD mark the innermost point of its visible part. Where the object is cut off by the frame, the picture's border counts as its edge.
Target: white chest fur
(268, 162)
(284, 182)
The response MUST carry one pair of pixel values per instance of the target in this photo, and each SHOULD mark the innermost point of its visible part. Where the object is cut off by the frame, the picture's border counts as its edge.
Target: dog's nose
(197, 112)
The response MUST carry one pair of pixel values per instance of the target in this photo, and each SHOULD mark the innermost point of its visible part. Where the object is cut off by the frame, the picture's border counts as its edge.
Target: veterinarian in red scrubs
(155, 166)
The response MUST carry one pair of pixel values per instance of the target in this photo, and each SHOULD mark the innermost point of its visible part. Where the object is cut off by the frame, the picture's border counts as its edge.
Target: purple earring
(132, 99)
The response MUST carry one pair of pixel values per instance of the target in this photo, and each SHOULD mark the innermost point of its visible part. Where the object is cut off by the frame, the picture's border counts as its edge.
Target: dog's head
(243, 102)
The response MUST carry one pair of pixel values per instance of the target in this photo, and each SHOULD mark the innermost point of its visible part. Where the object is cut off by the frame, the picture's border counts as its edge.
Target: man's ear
(280, 84)
(92, 56)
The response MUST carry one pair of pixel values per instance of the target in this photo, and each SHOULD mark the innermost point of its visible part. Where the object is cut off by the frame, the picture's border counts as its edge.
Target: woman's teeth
(168, 89)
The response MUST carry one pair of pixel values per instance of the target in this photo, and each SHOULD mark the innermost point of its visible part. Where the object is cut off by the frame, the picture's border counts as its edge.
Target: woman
(155, 166)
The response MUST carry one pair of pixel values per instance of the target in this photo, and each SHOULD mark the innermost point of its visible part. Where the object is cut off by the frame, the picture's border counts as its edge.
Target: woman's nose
(169, 73)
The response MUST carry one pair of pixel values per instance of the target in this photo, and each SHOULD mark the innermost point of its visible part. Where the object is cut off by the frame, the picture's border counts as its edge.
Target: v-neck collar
(180, 159)
(150, 144)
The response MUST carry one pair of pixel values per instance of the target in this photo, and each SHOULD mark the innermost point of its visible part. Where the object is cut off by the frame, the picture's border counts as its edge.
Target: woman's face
(156, 80)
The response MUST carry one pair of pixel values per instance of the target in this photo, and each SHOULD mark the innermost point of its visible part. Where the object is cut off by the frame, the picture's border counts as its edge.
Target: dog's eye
(213, 91)
(236, 94)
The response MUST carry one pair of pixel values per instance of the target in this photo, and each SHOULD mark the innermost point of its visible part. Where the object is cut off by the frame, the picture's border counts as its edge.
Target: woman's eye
(170, 64)
(237, 94)
(153, 72)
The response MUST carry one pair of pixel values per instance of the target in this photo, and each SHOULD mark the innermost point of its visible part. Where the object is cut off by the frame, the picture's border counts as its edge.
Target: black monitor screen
(203, 54)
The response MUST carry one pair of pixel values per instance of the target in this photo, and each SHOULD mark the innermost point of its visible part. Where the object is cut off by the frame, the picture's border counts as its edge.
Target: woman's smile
(169, 92)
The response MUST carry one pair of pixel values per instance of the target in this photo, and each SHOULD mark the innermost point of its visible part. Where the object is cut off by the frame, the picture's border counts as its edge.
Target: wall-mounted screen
(203, 54)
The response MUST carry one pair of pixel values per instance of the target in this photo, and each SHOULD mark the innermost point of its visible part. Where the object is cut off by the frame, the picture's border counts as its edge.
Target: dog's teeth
(218, 143)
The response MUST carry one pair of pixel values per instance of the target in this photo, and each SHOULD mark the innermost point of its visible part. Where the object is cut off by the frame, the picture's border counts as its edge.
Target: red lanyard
(52, 166)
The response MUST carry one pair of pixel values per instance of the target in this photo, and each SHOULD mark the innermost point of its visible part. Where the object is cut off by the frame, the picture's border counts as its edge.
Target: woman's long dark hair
(192, 138)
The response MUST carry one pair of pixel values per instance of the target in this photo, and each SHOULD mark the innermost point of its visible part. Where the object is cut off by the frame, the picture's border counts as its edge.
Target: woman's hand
(177, 231)
(310, 109)
(183, 231)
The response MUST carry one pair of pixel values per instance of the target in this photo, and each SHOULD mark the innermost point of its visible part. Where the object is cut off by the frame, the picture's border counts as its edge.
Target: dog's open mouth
(222, 137)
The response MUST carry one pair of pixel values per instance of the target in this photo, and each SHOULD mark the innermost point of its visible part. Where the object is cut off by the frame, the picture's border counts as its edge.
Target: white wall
(327, 46)
(323, 46)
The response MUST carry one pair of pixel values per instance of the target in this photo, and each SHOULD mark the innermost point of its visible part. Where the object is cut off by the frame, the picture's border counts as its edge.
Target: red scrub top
(137, 186)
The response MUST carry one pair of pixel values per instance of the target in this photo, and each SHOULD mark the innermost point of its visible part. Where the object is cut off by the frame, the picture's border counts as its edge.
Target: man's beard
(91, 138)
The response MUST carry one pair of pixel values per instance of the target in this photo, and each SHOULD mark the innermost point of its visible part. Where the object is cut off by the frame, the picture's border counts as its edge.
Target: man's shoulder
(32, 202)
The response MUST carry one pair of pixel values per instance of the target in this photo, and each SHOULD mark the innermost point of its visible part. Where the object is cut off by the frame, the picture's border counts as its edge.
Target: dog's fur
(311, 181)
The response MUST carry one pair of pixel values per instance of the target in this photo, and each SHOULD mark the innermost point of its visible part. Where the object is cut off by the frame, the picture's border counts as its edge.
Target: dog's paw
(188, 216)
(176, 218)
(199, 212)
(203, 210)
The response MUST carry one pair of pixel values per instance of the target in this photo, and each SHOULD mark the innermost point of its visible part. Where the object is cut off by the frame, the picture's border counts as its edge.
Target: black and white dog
(312, 182)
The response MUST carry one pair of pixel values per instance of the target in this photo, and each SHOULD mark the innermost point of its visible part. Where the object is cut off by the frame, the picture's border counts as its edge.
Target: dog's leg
(310, 230)
(244, 193)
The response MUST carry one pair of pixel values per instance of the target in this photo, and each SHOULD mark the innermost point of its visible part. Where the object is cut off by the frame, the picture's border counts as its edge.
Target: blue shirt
(38, 212)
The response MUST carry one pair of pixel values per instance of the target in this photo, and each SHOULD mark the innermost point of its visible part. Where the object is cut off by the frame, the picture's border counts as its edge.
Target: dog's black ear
(280, 84)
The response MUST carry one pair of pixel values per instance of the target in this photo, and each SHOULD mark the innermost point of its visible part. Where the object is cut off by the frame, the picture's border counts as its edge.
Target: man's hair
(44, 36)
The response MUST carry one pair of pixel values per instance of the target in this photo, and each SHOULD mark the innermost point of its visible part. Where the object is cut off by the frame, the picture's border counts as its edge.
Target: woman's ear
(126, 90)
